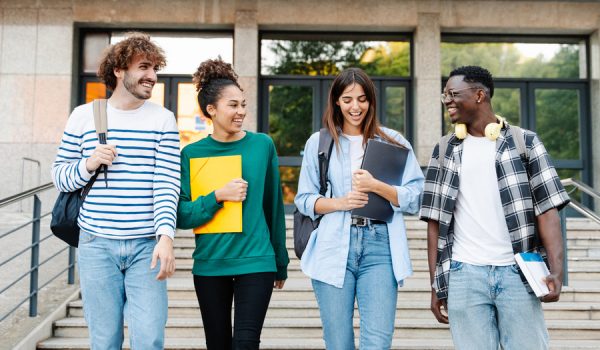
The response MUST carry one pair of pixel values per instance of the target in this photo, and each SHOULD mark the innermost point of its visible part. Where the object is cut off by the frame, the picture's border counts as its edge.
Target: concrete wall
(36, 41)
(35, 88)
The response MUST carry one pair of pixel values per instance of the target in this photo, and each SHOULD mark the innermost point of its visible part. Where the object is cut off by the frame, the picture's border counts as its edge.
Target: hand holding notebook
(385, 162)
(535, 271)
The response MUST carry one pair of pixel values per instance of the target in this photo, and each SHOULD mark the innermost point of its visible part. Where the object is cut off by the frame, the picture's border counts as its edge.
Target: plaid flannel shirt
(528, 184)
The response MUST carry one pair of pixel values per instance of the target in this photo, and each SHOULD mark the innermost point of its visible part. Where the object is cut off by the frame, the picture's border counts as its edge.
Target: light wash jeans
(489, 306)
(370, 279)
(116, 280)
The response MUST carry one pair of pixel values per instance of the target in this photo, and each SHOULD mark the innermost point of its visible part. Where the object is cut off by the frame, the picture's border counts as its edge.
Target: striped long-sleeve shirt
(143, 180)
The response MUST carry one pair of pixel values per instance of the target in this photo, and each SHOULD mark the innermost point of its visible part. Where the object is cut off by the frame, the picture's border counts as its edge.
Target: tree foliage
(291, 107)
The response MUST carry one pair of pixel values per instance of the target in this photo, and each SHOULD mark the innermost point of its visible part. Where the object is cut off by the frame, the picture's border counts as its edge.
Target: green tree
(557, 110)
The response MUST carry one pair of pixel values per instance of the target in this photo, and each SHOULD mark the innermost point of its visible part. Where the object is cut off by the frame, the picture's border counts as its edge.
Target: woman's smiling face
(354, 106)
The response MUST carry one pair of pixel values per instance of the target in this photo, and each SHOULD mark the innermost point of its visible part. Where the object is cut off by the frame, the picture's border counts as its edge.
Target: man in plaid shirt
(484, 203)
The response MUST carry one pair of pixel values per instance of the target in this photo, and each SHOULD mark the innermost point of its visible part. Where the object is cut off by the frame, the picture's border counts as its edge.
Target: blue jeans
(370, 280)
(489, 305)
(116, 280)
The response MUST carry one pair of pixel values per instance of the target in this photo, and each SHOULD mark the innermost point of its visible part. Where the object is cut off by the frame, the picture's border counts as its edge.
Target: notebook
(386, 163)
(535, 270)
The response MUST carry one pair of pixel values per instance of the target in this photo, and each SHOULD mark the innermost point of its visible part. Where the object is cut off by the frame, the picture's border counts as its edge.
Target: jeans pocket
(85, 238)
(455, 265)
(381, 233)
(514, 268)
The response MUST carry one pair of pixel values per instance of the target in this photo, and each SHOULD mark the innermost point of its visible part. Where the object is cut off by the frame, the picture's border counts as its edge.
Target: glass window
(507, 103)
(289, 182)
(327, 55)
(557, 121)
(93, 46)
(290, 117)
(158, 94)
(192, 124)
(185, 51)
(517, 59)
(94, 90)
(574, 174)
(395, 108)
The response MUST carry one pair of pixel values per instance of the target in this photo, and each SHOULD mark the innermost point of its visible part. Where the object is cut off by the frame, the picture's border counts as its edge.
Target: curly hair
(121, 54)
(211, 77)
(476, 74)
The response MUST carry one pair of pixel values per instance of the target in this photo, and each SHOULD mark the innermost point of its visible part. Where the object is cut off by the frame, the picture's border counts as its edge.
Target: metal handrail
(34, 248)
(580, 208)
(26, 194)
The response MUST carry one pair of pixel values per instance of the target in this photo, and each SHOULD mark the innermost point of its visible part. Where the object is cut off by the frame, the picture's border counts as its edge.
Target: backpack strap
(443, 145)
(519, 137)
(101, 124)
(100, 119)
(325, 147)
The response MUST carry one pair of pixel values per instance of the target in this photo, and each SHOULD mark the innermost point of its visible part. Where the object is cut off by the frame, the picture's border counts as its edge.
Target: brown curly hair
(121, 54)
(211, 77)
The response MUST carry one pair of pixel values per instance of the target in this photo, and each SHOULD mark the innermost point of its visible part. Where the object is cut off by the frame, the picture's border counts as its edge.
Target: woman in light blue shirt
(348, 257)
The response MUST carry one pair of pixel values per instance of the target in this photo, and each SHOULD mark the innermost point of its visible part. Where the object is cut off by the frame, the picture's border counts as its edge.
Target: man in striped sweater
(128, 218)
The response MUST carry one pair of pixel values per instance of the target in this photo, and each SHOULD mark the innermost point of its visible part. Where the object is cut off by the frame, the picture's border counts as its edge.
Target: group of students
(129, 217)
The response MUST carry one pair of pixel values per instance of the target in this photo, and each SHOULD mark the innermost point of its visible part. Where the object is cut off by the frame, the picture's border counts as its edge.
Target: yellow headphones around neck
(492, 130)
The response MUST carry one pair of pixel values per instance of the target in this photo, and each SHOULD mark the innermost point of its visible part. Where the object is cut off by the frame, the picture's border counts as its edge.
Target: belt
(360, 221)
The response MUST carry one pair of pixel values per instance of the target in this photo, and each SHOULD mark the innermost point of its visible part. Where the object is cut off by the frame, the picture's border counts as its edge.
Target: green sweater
(260, 247)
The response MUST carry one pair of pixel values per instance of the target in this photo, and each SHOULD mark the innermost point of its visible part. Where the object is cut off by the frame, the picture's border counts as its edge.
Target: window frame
(321, 84)
(528, 87)
(82, 29)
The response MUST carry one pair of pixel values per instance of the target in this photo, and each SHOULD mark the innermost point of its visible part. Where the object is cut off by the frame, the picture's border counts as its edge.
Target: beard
(131, 84)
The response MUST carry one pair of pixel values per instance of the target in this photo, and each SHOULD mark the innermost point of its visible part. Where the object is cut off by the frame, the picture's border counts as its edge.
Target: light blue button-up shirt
(326, 253)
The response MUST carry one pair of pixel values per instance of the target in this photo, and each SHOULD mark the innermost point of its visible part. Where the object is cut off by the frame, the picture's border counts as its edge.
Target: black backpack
(304, 225)
(66, 208)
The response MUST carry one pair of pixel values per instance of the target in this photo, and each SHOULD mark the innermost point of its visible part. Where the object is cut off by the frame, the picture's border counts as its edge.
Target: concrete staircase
(293, 317)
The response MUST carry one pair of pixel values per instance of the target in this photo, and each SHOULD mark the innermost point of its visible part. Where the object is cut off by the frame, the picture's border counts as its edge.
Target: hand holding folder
(209, 174)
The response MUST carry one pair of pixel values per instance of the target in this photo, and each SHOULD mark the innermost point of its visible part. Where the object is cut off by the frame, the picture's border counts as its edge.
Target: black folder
(386, 163)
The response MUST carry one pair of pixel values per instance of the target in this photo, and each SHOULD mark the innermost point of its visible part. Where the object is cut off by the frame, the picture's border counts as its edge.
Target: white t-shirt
(481, 236)
(356, 151)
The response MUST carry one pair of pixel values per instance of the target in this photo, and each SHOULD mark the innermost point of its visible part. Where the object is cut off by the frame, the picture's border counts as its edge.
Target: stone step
(404, 310)
(306, 344)
(302, 328)
(420, 270)
(412, 222)
(588, 246)
(185, 252)
(294, 315)
(419, 262)
(584, 262)
(574, 238)
(186, 249)
(414, 289)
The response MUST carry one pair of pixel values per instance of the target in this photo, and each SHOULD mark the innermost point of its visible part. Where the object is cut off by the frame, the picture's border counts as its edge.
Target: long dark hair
(333, 118)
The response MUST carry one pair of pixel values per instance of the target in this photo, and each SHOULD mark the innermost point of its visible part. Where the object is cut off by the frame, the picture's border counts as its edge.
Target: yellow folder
(211, 173)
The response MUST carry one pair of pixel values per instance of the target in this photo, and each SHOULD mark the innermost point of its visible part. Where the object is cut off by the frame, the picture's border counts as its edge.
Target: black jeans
(251, 292)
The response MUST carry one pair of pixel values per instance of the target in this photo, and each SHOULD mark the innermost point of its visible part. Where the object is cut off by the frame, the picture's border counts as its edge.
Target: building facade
(287, 52)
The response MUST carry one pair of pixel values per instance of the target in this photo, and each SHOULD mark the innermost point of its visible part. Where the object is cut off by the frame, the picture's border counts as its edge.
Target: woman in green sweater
(244, 266)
